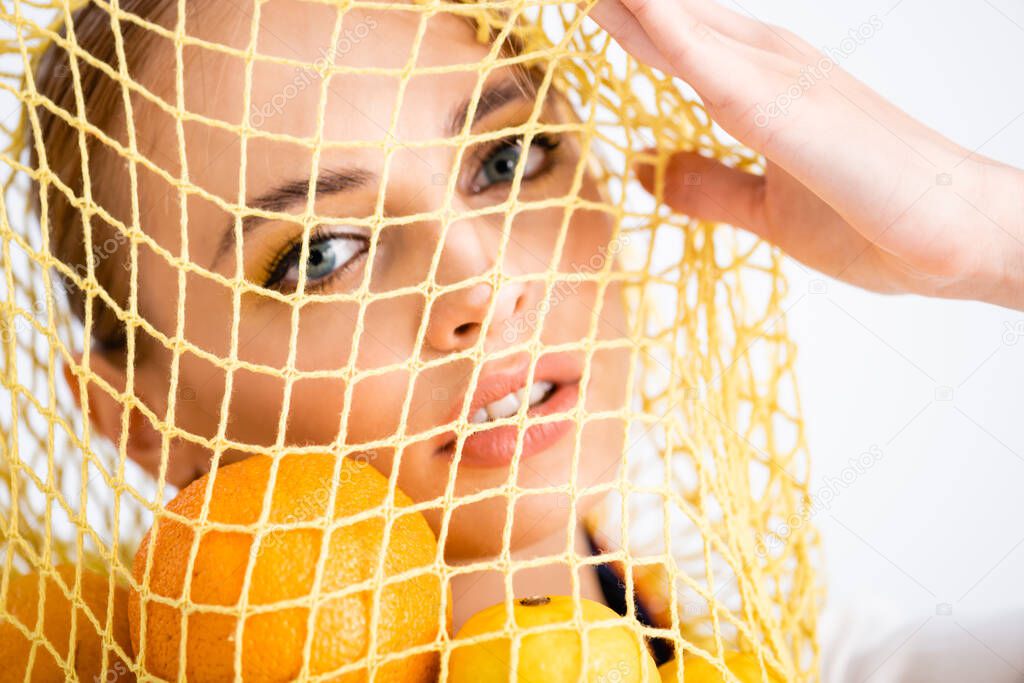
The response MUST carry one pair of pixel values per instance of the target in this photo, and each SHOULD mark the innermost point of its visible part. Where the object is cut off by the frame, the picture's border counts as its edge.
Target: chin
(476, 531)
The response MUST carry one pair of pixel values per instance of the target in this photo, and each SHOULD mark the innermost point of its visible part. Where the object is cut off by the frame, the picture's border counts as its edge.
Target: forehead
(320, 62)
(397, 76)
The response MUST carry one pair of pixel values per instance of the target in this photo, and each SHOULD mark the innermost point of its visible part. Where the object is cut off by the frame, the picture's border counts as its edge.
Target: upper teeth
(508, 405)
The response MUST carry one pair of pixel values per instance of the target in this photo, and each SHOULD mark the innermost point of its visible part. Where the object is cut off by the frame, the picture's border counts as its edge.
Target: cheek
(366, 382)
(325, 338)
(589, 248)
(315, 409)
(601, 452)
(323, 347)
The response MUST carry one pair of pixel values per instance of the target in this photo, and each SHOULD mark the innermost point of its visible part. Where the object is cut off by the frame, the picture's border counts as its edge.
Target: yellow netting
(138, 250)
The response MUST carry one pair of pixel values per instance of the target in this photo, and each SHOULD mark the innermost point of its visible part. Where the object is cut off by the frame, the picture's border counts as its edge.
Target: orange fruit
(22, 607)
(614, 651)
(743, 665)
(274, 632)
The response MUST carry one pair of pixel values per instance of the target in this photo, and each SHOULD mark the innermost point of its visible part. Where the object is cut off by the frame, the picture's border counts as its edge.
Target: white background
(935, 530)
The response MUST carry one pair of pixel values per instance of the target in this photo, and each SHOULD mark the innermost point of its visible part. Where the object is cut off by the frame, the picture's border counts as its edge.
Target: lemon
(742, 665)
(615, 652)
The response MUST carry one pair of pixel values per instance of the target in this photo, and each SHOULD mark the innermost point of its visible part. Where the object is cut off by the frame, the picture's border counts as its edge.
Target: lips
(496, 446)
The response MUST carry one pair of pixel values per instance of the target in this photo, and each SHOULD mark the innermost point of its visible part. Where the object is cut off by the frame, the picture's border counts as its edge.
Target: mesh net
(280, 229)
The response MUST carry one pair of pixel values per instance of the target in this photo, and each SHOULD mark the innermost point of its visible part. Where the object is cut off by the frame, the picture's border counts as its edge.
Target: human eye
(330, 255)
(498, 163)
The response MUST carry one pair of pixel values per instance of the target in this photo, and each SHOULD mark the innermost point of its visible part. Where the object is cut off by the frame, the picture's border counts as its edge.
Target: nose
(457, 316)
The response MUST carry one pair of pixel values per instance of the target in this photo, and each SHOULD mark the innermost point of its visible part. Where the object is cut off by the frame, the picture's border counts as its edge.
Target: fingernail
(644, 167)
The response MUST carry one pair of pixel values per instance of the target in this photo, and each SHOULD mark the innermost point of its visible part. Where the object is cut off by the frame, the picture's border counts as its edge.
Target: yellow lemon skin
(744, 666)
(614, 652)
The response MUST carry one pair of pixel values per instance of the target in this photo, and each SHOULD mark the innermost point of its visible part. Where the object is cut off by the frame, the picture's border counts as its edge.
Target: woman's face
(395, 364)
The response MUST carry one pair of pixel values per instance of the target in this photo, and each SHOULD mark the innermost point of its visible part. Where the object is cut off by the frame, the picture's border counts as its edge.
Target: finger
(731, 77)
(811, 231)
(708, 190)
(739, 84)
(752, 31)
(749, 29)
(623, 26)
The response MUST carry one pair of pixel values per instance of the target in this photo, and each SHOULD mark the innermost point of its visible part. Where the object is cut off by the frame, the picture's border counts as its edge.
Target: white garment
(865, 643)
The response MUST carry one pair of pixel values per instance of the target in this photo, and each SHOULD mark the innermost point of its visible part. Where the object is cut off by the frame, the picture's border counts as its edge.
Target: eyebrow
(335, 181)
(289, 194)
(491, 98)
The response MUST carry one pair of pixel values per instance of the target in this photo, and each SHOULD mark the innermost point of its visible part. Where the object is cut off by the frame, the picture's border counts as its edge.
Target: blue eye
(499, 166)
(328, 255)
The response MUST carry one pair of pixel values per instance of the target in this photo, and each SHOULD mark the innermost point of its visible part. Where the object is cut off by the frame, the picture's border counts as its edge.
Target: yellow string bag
(707, 516)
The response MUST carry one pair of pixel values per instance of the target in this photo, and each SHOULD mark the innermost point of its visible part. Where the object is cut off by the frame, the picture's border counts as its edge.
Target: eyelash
(277, 268)
(545, 141)
(278, 265)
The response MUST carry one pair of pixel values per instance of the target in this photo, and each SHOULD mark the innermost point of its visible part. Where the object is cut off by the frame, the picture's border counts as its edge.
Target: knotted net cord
(711, 525)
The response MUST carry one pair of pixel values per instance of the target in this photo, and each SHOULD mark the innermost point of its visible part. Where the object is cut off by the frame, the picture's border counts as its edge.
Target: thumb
(708, 190)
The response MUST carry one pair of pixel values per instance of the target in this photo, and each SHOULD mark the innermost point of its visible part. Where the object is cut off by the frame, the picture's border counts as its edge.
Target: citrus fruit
(614, 651)
(743, 665)
(22, 606)
(281, 593)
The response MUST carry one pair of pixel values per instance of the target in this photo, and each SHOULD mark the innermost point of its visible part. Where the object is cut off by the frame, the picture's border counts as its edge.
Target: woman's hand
(854, 187)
